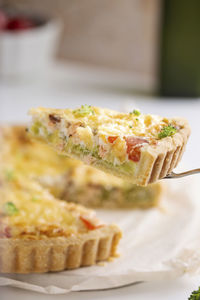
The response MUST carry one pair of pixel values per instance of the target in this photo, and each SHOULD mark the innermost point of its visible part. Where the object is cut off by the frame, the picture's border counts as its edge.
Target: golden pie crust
(160, 160)
(60, 253)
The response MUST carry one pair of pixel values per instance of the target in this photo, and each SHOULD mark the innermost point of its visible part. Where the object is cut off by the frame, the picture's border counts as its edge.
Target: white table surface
(61, 88)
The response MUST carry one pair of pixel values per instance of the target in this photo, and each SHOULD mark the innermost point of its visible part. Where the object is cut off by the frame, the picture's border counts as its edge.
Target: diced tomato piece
(135, 154)
(88, 224)
(133, 147)
(111, 139)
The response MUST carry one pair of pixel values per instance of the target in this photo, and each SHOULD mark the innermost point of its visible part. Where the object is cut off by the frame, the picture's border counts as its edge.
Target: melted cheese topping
(91, 128)
(35, 159)
(108, 122)
(31, 157)
(27, 210)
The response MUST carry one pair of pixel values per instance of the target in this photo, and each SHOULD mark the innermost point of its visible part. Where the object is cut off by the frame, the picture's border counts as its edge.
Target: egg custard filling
(140, 148)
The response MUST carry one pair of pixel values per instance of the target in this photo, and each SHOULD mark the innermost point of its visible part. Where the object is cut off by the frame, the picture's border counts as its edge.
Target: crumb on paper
(112, 258)
(117, 255)
(101, 264)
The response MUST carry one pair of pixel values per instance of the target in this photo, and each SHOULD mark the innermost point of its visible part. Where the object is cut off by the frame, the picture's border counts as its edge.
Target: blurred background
(120, 54)
(134, 46)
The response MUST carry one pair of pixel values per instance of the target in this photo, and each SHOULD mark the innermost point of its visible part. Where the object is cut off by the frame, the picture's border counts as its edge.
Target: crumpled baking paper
(158, 243)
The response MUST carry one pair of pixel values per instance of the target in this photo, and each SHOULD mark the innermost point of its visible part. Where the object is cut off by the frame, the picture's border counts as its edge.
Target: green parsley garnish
(167, 131)
(135, 112)
(195, 295)
(10, 209)
(9, 174)
(85, 110)
(130, 126)
(34, 199)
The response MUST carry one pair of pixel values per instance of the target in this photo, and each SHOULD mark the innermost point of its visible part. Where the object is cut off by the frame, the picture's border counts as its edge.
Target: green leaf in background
(195, 295)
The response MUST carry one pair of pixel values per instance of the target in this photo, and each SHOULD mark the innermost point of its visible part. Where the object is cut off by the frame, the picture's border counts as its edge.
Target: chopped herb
(195, 295)
(167, 131)
(34, 199)
(137, 119)
(130, 126)
(85, 110)
(35, 128)
(10, 209)
(9, 174)
(135, 112)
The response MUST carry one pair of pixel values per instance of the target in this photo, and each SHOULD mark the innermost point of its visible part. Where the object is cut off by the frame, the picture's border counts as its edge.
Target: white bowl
(28, 52)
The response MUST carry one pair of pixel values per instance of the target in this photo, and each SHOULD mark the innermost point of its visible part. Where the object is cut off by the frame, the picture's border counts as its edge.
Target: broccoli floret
(135, 112)
(195, 295)
(167, 131)
(9, 175)
(10, 209)
(85, 110)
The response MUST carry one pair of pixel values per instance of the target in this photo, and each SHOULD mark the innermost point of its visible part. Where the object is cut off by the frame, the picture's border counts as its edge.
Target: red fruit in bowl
(3, 20)
(15, 24)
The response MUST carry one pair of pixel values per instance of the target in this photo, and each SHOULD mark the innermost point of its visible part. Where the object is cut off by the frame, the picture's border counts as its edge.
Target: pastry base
(161, 161)
(60, 253)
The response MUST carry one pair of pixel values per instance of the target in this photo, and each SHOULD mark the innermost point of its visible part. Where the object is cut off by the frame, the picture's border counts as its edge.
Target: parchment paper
(157, 244)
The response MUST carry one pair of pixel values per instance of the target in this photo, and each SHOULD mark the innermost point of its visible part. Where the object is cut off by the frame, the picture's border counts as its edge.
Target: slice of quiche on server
(137, 147)
(39, 233)
(70, 179)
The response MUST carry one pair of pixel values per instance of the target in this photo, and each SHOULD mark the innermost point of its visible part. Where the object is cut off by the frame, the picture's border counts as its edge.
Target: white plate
(157, 244)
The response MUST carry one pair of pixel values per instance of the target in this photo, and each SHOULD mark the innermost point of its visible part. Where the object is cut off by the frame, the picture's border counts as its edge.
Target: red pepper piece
(133, 147)
(88, 224)
(111, 139)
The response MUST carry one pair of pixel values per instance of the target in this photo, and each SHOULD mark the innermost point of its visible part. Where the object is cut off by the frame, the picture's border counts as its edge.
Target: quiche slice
(137, 147)
(70, 179)
(93, 188)
(39, 233)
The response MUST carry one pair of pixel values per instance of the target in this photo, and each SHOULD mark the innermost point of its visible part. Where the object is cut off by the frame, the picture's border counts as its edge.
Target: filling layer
(115, 138)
